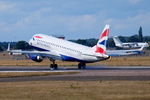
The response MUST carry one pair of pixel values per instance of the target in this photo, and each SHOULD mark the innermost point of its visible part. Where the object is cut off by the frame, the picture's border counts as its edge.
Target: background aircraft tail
(101, 44)
(117, 41)
(8, 49)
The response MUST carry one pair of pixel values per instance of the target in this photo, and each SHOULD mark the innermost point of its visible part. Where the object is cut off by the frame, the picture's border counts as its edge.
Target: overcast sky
(20, 19)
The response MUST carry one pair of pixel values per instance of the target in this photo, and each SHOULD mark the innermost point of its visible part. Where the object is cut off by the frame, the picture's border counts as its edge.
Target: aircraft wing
(49, 54)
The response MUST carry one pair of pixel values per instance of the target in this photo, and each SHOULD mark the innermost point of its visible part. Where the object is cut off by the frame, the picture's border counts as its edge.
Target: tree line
(23, 45)
(87, 42)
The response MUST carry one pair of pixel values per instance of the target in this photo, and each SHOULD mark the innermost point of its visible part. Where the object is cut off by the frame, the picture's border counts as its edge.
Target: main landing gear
(53, 66)
(81, 65)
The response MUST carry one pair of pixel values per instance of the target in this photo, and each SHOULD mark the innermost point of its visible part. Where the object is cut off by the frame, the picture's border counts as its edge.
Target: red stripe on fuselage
(37, 36)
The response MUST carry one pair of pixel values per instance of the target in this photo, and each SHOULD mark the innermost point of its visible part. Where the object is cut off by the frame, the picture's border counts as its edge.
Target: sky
(74, 19)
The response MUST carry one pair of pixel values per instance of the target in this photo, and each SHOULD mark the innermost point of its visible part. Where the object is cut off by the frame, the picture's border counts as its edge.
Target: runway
(91, 73)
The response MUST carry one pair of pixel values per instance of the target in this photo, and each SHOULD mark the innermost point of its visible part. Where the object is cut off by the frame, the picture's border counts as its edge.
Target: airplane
(113, 53)
(58, 49)
(129, 45)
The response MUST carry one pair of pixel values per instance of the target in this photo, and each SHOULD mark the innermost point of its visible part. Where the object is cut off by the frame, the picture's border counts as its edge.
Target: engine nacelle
(36, 58)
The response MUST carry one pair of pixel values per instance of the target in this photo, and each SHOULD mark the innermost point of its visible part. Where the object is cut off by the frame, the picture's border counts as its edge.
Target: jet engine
(36, 58)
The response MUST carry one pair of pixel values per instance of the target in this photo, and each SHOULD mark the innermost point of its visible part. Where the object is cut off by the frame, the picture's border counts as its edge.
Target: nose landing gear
(53, 66)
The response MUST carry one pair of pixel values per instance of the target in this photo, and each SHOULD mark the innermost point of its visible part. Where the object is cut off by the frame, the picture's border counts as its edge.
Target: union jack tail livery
(101, 44)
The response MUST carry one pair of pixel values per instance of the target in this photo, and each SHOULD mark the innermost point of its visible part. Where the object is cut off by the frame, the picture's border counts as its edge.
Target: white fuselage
(65, 50)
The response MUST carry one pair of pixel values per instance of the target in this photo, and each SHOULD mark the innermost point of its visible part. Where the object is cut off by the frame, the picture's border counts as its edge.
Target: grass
(114, 61)
(140, 60)
(70, 90)
(128, 61)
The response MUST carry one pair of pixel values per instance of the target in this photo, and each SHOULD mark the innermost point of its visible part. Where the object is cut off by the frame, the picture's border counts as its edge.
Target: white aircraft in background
(58, 49)
(125, 52)
(129, 45)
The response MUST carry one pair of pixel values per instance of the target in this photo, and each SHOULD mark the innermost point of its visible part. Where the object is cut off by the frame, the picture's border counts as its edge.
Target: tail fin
(117, 41)
(140, 49)
(101, 44)
(8, 49)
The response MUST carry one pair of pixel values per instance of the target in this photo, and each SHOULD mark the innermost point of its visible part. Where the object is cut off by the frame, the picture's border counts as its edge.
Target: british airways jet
(58, 49)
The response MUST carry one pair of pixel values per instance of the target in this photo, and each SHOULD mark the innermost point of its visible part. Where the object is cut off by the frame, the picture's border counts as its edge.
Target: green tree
(22, 45)
(1, 48)
(140, 35)
(91, 42)
(147, 38)
(81, 41)
(122, 39)
(110, 43)
(134, 38)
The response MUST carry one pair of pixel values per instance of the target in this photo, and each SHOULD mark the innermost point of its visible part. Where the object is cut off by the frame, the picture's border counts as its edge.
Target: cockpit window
(33, 39)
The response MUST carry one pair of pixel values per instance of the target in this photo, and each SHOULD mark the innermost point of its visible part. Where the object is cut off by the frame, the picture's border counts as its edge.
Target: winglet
(101, 44)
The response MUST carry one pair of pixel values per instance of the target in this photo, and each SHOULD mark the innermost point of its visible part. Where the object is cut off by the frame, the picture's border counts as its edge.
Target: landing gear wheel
(81, 65)
(53, 66)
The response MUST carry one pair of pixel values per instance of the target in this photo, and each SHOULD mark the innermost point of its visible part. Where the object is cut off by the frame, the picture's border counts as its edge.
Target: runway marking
(92, 73)
(37, 71)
